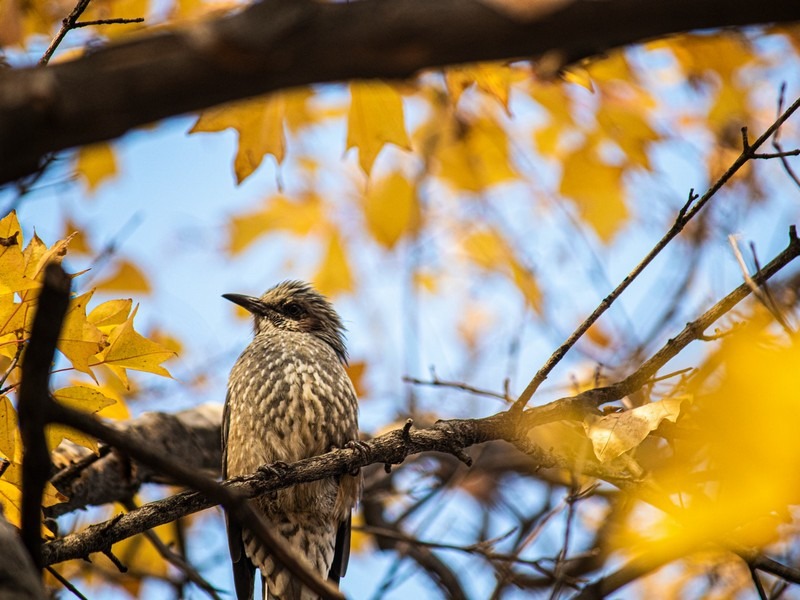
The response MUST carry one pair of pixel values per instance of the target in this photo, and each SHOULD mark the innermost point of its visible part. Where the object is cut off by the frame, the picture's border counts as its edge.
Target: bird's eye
(293, 310)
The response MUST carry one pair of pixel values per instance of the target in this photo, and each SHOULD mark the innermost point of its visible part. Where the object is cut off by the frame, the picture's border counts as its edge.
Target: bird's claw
(276, 469)
(362, 449)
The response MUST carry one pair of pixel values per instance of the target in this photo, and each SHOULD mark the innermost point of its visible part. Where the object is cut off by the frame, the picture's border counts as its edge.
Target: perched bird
(289, 398)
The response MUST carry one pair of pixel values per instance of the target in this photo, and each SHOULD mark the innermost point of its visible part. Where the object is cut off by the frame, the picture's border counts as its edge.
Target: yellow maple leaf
(79, 244)
(597, 190)
(80, 340)
(259, 123)
(11, 499)
(12, 262)
(36, 256)
(493, 79)
(375, 118)
(474, 155)
(95, 163)
(83, 398)
(109, 314)
(279, 213)
(391, 209)
(8, 429)
(333, 275)
(127, 349)
(126, 277)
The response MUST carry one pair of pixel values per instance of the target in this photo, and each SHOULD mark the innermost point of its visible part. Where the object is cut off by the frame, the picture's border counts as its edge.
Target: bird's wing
(341, 554)
(243, 570)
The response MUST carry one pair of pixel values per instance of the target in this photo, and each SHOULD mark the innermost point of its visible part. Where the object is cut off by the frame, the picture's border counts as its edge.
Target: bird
(289, 397)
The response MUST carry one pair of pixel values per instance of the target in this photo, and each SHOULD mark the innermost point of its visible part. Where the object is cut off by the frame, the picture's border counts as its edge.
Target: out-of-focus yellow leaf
(426, 280)
(359, 541)
(578, 76)
(95, 163)
(745, 432)
(617, 433)
(83, 398)
(555, 99)
(11, 499)
(392, 210)
(610, 67)
(117, 9)
(8, 428)
(80, 340)
(489, 250)
(474, 155)
(279, 213)
(55, 434)
(128, 349)
(109, 314)
(474, 324)
(375, 118)
(355, 371)
(492, 78)
(597, 189)
(11, 24)
(334, 275)
(259, 122)
(12, 263)
(623, 119)
(127, 277)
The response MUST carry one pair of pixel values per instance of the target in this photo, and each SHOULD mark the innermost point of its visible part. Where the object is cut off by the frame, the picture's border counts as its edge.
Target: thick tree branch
(276, 44)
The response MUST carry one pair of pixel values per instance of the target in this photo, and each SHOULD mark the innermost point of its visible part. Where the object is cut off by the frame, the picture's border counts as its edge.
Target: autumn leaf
(126, 277)
(108, 315)
(82, 398)
(391, 209)
(615, 434)
(80, 340)
(597, 189)
(96, 164)
(493, 79)
(334, 275)
(355, 371)
(473, 155)
(12, 262)
(8, 428)
(278, 213)
(259, 123)
(375, 119)
(127, 349)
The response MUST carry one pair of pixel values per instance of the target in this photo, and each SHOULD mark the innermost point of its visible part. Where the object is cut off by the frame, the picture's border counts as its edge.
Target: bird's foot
(362, 449)
(276, 469)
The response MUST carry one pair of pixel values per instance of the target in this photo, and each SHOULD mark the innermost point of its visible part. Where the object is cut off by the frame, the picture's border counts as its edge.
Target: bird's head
(295, 306)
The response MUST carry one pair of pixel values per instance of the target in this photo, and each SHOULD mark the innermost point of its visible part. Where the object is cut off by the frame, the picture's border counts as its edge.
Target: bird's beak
(249, 303)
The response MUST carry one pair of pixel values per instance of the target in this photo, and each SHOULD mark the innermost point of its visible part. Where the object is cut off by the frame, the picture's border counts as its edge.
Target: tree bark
(277, 44)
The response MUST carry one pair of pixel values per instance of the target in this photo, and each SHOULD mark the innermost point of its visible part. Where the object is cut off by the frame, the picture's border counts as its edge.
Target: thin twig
(66, 583)
(436, 382)
(119, 21)
(67, 24)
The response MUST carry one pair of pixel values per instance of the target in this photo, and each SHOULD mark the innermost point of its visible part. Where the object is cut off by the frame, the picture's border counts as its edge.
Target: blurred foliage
(715, 450)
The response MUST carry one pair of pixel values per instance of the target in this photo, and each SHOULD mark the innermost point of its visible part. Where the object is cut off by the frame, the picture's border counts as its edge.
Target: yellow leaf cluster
(95, 164)
(105, 337)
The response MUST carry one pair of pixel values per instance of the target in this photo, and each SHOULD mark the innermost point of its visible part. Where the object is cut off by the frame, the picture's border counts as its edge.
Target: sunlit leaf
(109, 314)
(493, 79)
(128, 349)
(597, 189)
(334, 275)
(392, 210)
(474, 155)
(259, 122)
(80, 340)
(95, 163)
(617, 433)
(126, 277)
(279, 213)
(8, 428)
(375, 119)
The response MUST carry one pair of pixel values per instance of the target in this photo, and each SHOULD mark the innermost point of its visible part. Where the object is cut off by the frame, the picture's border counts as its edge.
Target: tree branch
(277, 44)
